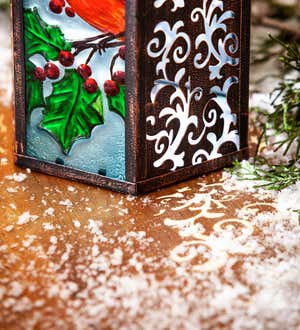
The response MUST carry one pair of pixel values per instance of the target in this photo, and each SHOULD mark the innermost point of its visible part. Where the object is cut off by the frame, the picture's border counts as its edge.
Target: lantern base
(125, 187)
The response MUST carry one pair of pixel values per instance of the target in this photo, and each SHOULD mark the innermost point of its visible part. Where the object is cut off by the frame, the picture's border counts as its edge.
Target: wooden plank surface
(74, 256)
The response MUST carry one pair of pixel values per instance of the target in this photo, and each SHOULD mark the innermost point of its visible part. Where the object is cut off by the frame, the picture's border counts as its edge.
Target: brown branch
(92, 52)
(97, 47)
(113, 61)
(85, 41)
(100, 44)
(277, 24)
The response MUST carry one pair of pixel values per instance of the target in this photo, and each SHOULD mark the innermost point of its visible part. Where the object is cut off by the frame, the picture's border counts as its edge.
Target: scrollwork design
(167, 141)
(228, 118)
(205, 247)
(172, 47)
(212, 23)
(161, 50)
(201, 254)
(215, 248)
(177, 4)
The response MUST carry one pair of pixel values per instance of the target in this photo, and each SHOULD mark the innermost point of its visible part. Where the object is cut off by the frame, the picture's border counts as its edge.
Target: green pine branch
(271, 177)
(284, 121)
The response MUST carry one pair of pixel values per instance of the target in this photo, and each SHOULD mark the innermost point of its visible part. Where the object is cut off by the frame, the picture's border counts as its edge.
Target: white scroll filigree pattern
(177, 4)
(160, 50)
(228, 134)
(191, 118)
(213, 23)
(167, 142)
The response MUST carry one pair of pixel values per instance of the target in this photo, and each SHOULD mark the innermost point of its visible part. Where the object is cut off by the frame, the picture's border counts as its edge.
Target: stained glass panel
(75, 83)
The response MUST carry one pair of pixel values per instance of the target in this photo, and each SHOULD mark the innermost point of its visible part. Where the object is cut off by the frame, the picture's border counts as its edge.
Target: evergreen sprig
(291, 58)
(271, 177)
(283, 121)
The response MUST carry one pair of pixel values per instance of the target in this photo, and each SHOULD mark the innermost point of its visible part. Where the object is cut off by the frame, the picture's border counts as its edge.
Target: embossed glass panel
(75, 83)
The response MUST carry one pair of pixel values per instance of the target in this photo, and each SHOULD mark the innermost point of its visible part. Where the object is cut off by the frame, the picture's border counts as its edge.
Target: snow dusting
(212, 253)
(200, 264)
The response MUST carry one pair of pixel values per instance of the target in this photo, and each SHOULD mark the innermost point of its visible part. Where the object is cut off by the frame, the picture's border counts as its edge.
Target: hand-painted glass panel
(75, 83)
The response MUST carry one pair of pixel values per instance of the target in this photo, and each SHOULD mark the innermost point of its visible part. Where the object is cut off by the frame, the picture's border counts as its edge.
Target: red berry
(66, 58)
(122, 50)
(70, 11)
(111, 88)
(39, 74)
(91, 85)
(119, 77)
(51, 70)
(84, 71)
(57, 6)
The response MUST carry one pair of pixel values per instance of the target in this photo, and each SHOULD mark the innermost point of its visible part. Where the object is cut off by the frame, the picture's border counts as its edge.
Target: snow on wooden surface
(211, 253)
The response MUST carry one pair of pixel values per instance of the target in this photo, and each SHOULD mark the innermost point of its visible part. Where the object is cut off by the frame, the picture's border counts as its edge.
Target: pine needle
(283, 122)
(272, 177)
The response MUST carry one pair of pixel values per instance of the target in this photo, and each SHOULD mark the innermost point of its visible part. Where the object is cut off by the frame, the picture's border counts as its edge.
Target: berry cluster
(57, 6)
(111, 87)
(66, 58)
(85, 72)
(51, 70)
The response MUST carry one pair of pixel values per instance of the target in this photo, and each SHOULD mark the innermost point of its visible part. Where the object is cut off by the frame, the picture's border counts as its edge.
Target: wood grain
(73, 256)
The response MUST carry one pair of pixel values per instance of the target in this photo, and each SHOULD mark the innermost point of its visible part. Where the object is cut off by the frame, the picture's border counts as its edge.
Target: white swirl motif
(172, 47)
(201, 255)
(177, 4)
(156, 49)
(167, 142)
(228, 134)
(213, 23)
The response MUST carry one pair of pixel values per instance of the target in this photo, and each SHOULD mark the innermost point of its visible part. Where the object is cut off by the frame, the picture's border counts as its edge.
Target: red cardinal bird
(108, 16)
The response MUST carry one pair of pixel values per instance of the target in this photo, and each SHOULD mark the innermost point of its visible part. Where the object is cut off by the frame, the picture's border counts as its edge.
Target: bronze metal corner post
(132, 139)
(19, 76)
(245, 23)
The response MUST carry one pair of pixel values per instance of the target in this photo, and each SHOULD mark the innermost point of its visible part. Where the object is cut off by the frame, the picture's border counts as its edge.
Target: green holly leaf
(34, 89)
(117, 103)
(71, 112)
(42, 38)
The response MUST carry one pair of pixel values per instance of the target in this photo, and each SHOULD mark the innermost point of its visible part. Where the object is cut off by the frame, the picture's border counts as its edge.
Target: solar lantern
(130, 95)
